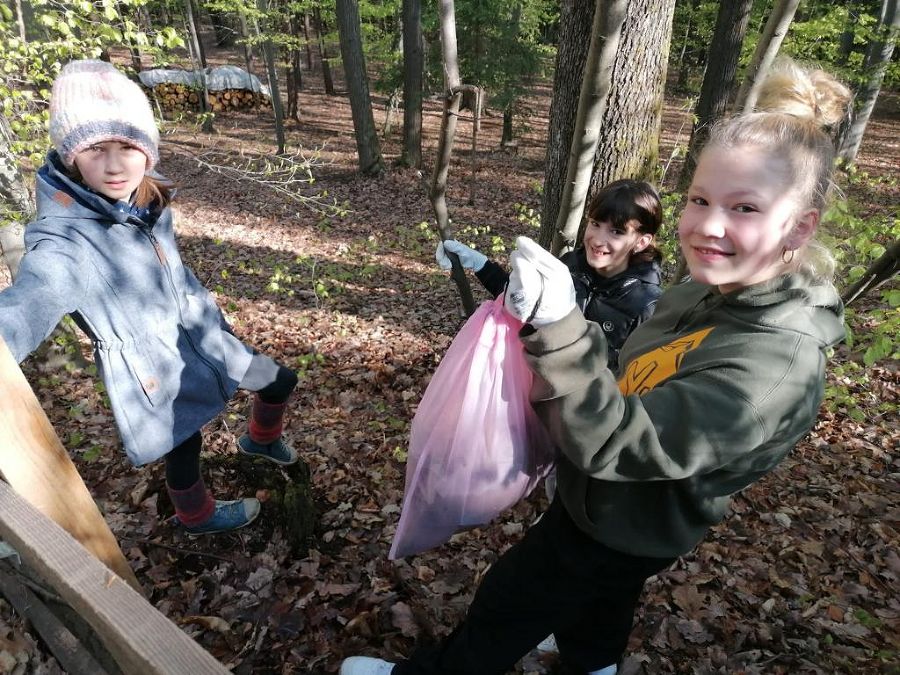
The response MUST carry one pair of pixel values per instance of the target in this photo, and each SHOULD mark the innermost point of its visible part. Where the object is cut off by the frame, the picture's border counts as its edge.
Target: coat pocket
(148, 378)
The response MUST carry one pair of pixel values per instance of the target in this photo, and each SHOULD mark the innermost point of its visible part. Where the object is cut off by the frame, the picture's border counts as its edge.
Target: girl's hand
(540, 287)
(468, 257)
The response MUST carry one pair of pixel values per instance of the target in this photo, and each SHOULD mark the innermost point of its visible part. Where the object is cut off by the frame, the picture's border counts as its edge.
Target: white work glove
(468, 257)
(540, 289)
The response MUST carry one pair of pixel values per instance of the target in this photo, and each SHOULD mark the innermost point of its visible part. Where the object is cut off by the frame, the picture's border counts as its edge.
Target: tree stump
(285, 492)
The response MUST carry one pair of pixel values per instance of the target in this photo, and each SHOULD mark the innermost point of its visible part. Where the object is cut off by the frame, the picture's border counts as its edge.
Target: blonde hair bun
(804, 92)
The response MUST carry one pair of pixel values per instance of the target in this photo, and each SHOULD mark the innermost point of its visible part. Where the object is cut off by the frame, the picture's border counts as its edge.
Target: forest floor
(802, 577)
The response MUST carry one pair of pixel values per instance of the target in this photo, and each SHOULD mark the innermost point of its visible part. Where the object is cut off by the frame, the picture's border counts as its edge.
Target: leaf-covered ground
(801, 578)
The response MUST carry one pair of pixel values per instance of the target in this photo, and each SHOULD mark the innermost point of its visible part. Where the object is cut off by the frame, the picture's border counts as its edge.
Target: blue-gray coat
(160, 342)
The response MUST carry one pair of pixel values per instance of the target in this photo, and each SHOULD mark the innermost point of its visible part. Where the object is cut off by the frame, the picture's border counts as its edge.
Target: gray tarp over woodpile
(219, 78)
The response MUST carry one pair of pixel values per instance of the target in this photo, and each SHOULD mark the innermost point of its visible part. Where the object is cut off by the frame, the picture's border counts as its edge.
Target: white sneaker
(548, 644)
(366, 665)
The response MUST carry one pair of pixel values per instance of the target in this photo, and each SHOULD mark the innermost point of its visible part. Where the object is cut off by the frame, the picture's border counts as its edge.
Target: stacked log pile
(173, 96)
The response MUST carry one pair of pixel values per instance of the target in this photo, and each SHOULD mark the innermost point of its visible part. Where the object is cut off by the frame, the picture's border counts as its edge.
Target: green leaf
(856, 273)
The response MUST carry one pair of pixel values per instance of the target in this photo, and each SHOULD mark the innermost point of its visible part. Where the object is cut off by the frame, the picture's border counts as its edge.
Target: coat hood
(60, 196)
(793, 302)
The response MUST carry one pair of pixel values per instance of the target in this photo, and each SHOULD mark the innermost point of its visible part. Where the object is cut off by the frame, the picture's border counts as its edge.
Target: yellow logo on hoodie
(647, 370)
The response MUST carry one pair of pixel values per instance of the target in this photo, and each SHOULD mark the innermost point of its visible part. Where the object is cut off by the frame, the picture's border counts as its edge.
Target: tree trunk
(438, 192)
(879, 271)
(848, 35)
(628, 146)
(195, 32)
(766, 50)
(878, 56)
(575, 22)
(506, 135)
(222, 29)
(390, 107)
(20, 20)
(199, 65)
(295, 77)
(306, 27)
(133, 48)
(268, 51)
(476, 127)
(413, 75)
(367, 146)
(16, 204)
(248, 50)
(684, 68)
(321, 29)
(606, 32)
(721, 64)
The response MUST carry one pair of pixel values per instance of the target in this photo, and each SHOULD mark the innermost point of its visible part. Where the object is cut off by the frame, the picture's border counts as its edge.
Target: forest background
(313, 216)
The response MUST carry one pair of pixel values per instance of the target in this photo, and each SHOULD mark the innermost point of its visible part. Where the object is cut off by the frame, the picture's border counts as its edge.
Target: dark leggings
(183, 461)
(555, 580)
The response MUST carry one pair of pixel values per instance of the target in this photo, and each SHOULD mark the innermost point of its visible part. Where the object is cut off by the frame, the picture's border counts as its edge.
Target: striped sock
(194, 505)
(266, 421)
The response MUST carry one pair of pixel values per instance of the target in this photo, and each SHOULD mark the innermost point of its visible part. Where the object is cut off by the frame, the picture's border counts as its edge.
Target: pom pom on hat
(92, 102)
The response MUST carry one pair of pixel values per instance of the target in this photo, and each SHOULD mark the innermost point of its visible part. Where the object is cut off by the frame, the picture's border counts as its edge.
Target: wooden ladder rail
(35, 463)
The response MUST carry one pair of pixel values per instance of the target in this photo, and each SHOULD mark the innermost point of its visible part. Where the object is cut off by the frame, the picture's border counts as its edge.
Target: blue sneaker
(229, 515)
(277, 451)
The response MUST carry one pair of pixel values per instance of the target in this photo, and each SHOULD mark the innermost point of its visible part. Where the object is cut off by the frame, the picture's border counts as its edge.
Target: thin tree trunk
(367, 145)
(20, 20)
(390, 107)
(199, 66)
(306, 31)
(195, 27)
(683, 61)
(268, 51)
(848, 35)
(606, 32)
(878, 56)
(248, 50)
(476, 127)
(721, 64)
(766, 50)
(413, 72)
(295, 77)
(506, 135)
(575, 22)
(321, 29)
(438, 191)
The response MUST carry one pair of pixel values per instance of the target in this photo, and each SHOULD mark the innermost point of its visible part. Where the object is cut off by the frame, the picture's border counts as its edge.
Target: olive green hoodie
(714, 391)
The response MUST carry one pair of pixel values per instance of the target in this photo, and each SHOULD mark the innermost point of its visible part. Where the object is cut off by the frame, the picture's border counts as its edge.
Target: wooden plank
(140, 639)
(35, 463)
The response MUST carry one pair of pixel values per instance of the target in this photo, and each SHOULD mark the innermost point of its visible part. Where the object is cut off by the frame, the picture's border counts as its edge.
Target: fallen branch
(176, 549)
(287, 175)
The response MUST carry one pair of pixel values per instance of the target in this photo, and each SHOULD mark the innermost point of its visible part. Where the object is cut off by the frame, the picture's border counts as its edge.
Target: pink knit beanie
(92, 102)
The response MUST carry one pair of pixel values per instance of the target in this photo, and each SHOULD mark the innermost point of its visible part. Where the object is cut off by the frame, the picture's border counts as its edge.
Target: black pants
(556, 580)
(274, 384)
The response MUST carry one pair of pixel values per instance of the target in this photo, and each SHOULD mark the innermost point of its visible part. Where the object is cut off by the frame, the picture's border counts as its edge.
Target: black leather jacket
(619, 303)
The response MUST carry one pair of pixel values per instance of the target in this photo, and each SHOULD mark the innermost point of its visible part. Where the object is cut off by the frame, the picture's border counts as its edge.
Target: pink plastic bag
(476, 446)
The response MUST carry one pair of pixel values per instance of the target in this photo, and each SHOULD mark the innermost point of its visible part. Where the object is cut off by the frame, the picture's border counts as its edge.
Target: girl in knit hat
(103, 250)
